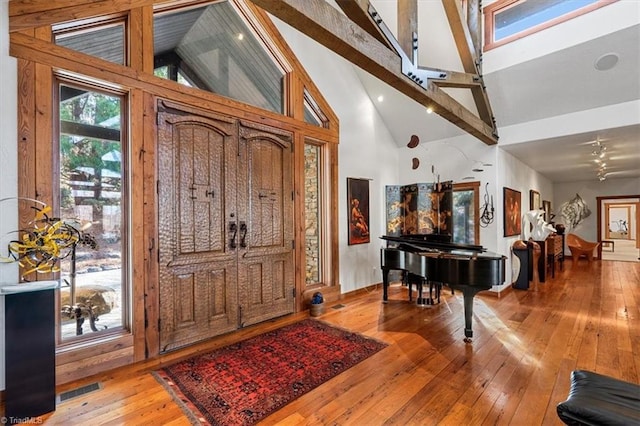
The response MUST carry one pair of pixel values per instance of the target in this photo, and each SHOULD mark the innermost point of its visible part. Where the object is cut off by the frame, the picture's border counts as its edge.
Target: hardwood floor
(526, 343)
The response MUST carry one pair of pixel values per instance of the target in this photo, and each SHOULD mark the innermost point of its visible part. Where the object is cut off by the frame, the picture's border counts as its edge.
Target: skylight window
(508, 20)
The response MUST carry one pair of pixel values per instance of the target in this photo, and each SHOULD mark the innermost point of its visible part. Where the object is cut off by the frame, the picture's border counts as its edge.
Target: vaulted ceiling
(557, 84)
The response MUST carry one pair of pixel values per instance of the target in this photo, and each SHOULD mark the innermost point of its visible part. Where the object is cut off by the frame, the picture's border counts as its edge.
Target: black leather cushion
(595, 399)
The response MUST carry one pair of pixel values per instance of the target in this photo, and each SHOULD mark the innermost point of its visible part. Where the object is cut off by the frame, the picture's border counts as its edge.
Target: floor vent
(340, 306)
(73, 393)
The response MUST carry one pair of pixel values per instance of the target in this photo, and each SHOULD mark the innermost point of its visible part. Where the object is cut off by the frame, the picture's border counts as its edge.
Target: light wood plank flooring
(515, 371)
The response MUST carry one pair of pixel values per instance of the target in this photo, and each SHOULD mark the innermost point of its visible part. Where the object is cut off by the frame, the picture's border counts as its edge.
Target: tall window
(466, 224)
(508, 20)
(92, 197)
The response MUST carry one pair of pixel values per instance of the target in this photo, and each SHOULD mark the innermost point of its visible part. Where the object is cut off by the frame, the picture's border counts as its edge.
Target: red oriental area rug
(243, 383)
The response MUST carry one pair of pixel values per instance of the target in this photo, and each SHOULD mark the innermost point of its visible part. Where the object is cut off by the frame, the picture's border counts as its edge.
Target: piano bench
(595, 399)
(420, 282)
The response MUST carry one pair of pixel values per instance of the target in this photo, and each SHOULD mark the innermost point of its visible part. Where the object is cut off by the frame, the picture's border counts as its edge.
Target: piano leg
(385, 285)
(438, 288)
(468, 292)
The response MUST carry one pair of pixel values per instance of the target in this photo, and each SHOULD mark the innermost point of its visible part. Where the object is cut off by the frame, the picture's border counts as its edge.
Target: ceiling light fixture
(380, 98)
(600, 154)
(429, 110)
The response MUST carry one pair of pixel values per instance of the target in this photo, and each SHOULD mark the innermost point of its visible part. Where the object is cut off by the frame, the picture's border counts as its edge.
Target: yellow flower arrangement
(45, 241)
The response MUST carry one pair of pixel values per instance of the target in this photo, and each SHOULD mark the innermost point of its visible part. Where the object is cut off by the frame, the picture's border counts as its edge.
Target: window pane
(105, 42)
(310, 116)
(528, 14)
(213, 49)
(312, 112)
(312, 203)
(463, 217)
(91, 200)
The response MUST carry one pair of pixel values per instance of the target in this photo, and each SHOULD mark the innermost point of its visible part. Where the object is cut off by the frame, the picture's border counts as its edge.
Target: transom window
(508, 20)
(105, 41)
(312, 112)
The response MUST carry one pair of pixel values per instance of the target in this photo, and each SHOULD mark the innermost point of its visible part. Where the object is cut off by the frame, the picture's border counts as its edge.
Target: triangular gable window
(214, 49)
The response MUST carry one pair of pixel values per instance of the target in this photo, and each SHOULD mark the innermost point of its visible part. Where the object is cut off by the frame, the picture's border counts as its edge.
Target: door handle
(243, 234)
(233, 228)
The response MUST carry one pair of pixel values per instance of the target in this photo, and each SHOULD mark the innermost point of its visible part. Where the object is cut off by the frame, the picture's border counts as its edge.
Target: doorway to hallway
(618, 233)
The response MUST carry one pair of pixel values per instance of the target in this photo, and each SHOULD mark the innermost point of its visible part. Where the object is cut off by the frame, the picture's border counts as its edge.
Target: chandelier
(600, 158)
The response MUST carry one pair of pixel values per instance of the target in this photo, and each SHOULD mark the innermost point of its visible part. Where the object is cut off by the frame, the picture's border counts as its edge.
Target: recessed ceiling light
(380, 98)
(429, 110)
(606, 61)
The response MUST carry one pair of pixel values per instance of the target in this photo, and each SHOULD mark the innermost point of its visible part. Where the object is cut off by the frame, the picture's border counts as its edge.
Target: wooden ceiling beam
(460, 80)
(326, 25)
(356, 10)
(408, 28)
(470, 59)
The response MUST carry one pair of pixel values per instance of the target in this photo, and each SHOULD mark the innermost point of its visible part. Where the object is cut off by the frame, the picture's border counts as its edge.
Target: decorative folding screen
(420, 208)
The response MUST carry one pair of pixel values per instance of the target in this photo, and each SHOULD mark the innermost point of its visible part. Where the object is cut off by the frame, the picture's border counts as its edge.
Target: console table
(551, 250)
(555, 252)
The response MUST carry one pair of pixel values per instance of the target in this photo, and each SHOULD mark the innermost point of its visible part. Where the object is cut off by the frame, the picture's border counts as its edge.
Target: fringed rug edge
(187, 407)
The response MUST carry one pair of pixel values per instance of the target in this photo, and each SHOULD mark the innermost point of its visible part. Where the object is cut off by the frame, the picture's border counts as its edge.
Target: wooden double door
(225, 194)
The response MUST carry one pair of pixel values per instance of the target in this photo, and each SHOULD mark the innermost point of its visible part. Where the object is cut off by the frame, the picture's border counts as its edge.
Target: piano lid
(431, 241)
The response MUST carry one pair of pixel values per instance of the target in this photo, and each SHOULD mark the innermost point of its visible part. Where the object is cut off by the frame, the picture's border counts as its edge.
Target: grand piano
(465, 267)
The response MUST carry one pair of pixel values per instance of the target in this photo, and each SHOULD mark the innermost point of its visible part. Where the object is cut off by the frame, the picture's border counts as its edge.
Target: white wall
(588, 191)
(453, 159)
(8, 148)
(8, 163)
(514, 174)
(366, 150)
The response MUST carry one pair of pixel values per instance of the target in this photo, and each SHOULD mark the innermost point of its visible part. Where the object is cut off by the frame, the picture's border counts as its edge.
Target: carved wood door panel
(225, 226)
(197, 266)
(265, 202)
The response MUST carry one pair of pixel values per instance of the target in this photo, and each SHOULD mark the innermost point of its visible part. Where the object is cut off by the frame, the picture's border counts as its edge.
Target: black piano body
(463, 267)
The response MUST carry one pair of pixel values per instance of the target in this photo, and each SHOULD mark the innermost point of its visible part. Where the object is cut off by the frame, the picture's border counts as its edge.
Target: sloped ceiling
(552, 85)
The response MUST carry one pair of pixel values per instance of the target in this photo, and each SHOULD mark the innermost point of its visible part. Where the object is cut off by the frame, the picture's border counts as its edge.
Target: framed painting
(534, 200)
(512, 212)
(358, 214)
(546, 206)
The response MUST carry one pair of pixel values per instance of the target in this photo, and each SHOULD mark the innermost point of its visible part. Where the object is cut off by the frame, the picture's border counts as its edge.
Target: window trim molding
(491, 10)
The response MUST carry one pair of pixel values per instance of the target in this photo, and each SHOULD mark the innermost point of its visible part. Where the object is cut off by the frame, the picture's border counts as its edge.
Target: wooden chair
(580, 247)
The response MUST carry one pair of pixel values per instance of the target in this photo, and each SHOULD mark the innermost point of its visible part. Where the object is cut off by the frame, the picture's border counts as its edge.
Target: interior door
(265, 213)
(196, 193)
